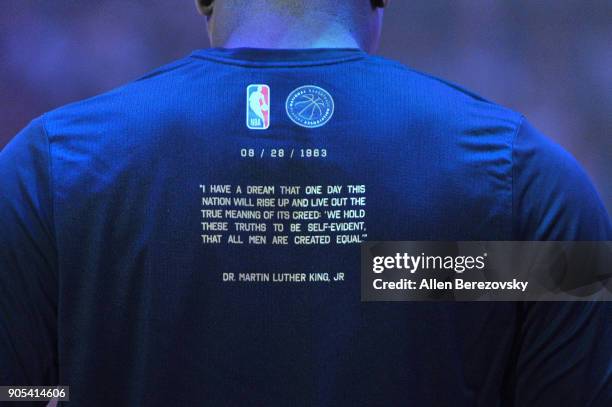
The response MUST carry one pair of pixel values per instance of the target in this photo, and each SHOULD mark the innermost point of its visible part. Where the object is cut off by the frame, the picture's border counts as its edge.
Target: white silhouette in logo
(258, 104)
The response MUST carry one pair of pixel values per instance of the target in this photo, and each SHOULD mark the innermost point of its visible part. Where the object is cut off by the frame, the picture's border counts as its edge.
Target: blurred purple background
(549, 59)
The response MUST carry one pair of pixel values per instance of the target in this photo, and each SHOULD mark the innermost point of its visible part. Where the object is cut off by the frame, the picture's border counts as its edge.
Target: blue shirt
(137, 227)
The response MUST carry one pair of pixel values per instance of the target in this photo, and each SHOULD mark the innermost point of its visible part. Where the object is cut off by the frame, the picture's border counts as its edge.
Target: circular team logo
(310, 106)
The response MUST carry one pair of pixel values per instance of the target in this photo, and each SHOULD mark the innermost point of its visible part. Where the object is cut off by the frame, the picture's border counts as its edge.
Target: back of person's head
(226, 18)
(291, 6)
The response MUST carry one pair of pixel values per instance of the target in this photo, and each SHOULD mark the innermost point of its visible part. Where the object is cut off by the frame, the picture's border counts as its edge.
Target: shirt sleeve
(563, 349)
(28, 262)
(553, 198)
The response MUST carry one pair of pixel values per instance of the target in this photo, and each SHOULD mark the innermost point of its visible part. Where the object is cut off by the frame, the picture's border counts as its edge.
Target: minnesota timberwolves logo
(310, 106)
(258, 107)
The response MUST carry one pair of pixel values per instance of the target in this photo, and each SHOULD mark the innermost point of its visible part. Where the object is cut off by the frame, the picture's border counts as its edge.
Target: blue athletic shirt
(192, 238)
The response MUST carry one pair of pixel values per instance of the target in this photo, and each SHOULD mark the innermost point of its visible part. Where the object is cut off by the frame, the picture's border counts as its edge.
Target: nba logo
(258, 107)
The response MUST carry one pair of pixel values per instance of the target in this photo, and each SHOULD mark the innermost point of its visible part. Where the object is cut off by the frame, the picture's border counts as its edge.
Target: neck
(281, 31)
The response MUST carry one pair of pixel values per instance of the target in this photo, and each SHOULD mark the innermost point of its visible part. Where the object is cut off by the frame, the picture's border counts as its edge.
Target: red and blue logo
(258, 107)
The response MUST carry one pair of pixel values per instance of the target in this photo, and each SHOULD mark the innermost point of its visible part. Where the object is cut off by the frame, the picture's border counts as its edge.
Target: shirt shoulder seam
(165, 69)
(512, 175)
(51, 183)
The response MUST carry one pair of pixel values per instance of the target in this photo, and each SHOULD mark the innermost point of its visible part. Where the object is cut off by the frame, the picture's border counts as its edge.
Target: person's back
(194, 239)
